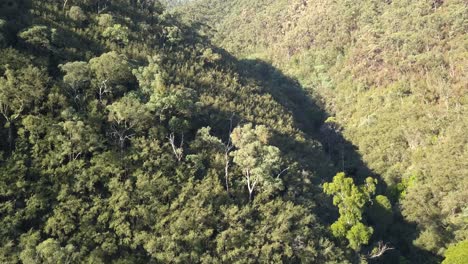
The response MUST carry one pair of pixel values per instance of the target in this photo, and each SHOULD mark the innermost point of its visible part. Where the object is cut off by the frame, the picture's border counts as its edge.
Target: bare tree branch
(379, 251)
(102, 90)
(178, 151)
(281, 172)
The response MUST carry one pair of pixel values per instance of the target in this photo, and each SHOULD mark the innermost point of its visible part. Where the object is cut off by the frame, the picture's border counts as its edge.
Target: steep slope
(126, 138)
(394, 76)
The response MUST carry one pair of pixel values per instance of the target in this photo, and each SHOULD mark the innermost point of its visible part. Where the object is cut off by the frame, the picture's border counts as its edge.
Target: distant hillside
(174, 3)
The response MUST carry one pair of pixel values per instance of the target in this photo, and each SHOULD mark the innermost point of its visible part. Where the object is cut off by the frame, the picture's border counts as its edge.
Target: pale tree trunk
(382, 248)
(178, 151)
(250, 183)
(226, 169)
(122, 146)
(9, 121)
(121, 135)
(103, 7)
(102, 90)
(227, 163)
(10, 136)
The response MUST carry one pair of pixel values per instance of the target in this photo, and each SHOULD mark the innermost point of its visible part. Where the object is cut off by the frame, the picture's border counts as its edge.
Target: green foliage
(50, 251)
(77, 139)
(350, 200)
(126, 117)
(256, 158)
(174, 34)
(381, 213)
(111, 67)
(77, 80)
(77, 75)
(21, 91)
(152, 78)
(358, 235)
(112, 75)
(399, 190)
(105, 20)
(37, 36)
(391, 73)
(130, 138)
(77, 14)
(117, 33)
(457, 254)
(178, 102)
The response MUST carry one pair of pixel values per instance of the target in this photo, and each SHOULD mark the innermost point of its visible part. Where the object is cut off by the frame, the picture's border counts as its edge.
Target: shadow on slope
(335, 153)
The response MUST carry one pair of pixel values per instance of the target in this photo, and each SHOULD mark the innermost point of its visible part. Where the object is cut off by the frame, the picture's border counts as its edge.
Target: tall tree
(351, 200)
(126, 117)
(257, 159)
(77, 80)
(21, 91)
(112, 76)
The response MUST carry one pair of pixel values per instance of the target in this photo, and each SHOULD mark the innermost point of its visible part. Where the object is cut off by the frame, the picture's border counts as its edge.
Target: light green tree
(38, 35)
(214, 150)
(351, 200)
(457, 254)
(117, 33)
(20, 92)
(50, 252)
(112, 74)
(126, 116)
(174, 105)
(77, 80)
(105, 20)
(77, 139)
(77, 14)
(358, 235)
(153, 77)
(257, 159)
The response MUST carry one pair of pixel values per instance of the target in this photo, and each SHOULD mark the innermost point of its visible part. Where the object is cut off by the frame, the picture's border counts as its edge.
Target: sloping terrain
(217, 134)
(393, 77)
(127, 138)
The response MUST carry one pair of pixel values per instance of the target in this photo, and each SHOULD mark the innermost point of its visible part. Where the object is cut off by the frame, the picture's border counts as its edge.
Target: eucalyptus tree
(257, 159)
(126, 118)
(21, 91)
(351, 200)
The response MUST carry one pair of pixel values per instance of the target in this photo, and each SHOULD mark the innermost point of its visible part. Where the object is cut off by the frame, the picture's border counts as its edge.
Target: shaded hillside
(127, 138)
(393, 76)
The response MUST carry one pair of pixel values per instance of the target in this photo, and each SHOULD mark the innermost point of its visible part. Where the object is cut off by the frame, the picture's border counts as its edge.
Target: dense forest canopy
(393, 76)
(204, 131)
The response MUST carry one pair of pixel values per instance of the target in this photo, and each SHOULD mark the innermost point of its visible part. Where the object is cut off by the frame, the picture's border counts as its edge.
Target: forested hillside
(131, 134)
(127, 138)
(392, 76)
